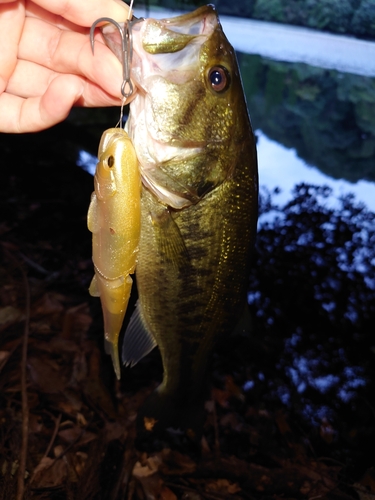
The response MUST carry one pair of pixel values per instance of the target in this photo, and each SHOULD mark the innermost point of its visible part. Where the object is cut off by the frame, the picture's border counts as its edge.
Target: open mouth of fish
(166, 55)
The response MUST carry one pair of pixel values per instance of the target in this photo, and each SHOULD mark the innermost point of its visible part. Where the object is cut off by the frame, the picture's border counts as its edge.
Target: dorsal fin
(138, 341)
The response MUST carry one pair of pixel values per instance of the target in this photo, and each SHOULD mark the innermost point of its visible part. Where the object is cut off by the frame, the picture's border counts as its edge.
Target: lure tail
(114, 295)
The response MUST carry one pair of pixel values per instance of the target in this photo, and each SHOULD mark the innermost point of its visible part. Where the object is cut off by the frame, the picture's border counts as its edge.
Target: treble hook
(126, 50)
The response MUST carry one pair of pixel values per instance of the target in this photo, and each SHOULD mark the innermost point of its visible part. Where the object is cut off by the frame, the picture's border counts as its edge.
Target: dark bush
(269, 10)
(331, 15)
(230, 8)
(363, 22)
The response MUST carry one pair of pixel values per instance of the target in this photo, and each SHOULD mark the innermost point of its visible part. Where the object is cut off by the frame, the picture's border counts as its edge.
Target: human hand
(46, 62)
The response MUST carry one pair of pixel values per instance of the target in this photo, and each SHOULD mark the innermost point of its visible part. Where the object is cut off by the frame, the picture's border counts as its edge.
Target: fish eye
(219, 78)
(110, 161)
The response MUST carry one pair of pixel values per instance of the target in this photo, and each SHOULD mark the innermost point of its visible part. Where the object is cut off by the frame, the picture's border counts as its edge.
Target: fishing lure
(114, 218)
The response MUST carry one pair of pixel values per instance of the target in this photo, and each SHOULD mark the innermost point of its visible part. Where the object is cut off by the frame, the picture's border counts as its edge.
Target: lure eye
(219, 78)
(110, 161)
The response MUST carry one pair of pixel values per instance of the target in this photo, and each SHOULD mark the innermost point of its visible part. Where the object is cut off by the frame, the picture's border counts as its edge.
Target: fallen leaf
(115, 430)
(4, 356)
(35, 423)
(231, 420)
(149, 423)
(221, 397)
(175, 463)
(10, 314)
(222, 486)
(49, 473)
(76, 434)
(282, 424)
(233, 389)
(363, 493)
(368, 479)
(326, 431)
(167, 494)
(191, 495)
(152, 486)
(80, 462)
(76, 320)
(50, 303)
(46, 374)
(151, 467)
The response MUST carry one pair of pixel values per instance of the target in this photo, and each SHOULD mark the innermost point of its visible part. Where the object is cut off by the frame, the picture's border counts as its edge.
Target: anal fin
(138, 341)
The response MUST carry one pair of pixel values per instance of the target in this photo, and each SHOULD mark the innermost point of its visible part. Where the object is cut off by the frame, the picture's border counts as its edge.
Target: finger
(32, 80)
(18, 115)
(35, 10)
(11, 23)
(84, 13)
(29, 80)
(70, 52)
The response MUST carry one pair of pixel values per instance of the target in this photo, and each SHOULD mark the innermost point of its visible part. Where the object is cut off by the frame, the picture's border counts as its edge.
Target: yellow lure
(114, 218)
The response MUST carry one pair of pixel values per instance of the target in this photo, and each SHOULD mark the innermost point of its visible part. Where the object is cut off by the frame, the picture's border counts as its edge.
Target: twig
(11, 352)
(62, 454)
(34, 265)
(25, 406)
(52, 440)
(216, 429)
(205, 494)
(75, 441)
(123, 481)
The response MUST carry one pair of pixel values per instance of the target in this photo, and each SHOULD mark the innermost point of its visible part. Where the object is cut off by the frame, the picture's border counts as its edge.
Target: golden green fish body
(191, 131)
(114, 219)
(190, 302)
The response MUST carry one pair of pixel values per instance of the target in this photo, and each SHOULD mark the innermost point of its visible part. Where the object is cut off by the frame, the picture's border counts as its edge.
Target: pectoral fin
(167, 189)
(170, 240)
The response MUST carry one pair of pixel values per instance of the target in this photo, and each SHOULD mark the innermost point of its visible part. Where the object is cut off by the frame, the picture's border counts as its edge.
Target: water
(274, 158)
(313, 290)
(321, 124)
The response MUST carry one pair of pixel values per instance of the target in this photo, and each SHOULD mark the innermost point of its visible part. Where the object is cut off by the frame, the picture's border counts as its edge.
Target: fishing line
(127, 55)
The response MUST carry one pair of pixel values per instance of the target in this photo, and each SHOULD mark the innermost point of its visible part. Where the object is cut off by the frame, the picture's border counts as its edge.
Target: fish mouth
(171, 37)
(161, 46)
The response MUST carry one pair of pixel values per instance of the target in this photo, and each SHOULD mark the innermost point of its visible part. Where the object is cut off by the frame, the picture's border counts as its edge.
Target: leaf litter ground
(67, 429)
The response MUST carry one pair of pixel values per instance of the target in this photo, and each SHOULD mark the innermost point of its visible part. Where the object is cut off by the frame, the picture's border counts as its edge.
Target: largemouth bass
(191, 131)
(114, 220)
